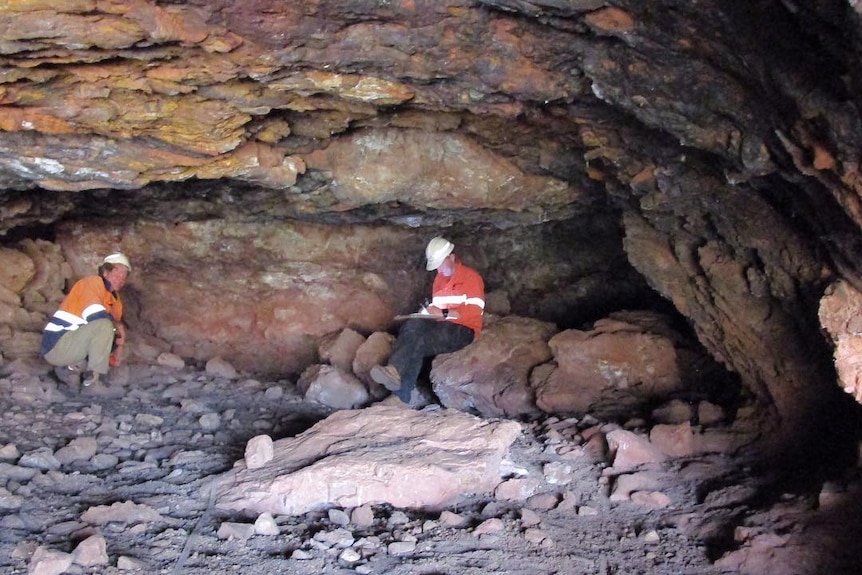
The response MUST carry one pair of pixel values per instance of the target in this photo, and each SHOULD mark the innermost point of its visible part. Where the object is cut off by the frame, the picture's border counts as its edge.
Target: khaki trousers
(91, 341)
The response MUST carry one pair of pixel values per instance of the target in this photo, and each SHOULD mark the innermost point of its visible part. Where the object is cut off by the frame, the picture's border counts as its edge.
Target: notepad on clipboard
(417, 315)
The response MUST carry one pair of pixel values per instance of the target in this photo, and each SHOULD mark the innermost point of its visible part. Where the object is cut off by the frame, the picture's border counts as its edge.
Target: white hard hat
(117, 258)
(437, 250)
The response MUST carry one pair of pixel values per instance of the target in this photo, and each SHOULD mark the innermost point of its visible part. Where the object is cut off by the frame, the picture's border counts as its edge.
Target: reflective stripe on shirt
(442, 301)
(70, 318)
(92, 310)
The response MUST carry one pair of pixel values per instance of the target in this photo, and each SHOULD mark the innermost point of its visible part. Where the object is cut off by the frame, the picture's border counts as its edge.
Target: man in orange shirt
(88, 326)
(454, 320)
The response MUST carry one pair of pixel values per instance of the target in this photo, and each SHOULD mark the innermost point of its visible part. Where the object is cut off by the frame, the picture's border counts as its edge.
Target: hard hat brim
(118, 258)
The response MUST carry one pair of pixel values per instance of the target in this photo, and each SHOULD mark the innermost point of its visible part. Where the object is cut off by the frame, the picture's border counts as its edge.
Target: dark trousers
(421, 338)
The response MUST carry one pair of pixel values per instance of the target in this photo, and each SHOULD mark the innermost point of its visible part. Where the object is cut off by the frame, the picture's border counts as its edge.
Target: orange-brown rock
(491, 376)
(613, 367)
(721, 142)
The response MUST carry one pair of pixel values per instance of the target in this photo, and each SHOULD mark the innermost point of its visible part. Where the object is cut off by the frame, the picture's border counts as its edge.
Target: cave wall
(588, 156)
(263, 295)
(746, 297)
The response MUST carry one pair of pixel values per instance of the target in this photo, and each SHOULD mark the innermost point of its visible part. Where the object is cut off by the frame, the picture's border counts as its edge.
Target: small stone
(350, 555)
(558, 473)
(170, 360)
(493, 525)
(130, 564)
(653, 499)
(449, 519)
(12, 522)
(338, 517)
(401, 547)
(221, 368)
(529, 518)
(535, 536)
(362, 516)
(43, 459)
(397, 518)
(240, 531)
(259, 451)
(48, 562)
(148, 420)
(542, 501)
(517, 489)
(10, 502)
(301, 555)
(91, 551)
(265, 525)
(336, 538)
(569, 502)
(9, 452)
(80, 448)
(274, 392)
(210, 421)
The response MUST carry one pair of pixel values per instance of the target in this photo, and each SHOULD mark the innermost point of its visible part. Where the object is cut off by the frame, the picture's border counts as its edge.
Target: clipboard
(415, 316)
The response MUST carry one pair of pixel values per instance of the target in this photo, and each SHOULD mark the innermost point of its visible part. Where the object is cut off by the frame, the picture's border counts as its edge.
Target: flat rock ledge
(382, 454)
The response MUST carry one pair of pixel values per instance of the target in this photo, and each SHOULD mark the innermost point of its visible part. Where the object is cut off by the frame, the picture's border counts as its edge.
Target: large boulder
(382, 454)
(340, 349)
(491, 376)
(625, 361)
(375, 350)
(841, 317)
(332, 386)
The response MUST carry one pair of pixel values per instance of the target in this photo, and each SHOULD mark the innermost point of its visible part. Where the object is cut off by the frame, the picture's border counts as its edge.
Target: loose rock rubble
(116, 480)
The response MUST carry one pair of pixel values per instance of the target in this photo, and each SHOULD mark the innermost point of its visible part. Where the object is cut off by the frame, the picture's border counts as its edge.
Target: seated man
(454, 320)
(85, 326)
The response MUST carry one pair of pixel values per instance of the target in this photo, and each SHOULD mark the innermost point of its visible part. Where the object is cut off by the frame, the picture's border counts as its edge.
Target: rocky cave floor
(162, 433)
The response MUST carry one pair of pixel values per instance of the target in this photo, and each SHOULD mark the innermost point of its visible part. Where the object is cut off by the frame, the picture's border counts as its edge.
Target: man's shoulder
(94, 279)
(468, 271)
(89, 283)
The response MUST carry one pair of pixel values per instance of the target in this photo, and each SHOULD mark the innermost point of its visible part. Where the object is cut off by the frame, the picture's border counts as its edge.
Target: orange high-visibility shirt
(463, 291)
(88, 300)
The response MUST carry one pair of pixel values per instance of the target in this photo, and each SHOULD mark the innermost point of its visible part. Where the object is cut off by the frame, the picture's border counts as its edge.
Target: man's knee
(101, 330)
(101, 325)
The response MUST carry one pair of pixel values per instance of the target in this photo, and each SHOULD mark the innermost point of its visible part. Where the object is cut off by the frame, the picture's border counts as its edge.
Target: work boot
(79, 366)
(420, 399)
(69, 376)
(91, 379)
(96, 384)
(387, 376)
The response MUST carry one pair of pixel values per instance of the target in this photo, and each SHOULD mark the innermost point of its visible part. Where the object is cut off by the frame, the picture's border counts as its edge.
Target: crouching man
(87, 332)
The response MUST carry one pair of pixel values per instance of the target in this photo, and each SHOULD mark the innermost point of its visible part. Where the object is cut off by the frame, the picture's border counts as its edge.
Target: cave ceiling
(718, 139)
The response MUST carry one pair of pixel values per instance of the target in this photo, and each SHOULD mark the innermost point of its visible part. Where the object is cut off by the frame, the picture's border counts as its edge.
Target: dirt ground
(156, 448)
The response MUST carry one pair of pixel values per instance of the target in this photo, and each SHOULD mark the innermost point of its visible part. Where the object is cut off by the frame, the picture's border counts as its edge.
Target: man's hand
(441, 316)
(116, 357)
(436, 312)
(120, 338)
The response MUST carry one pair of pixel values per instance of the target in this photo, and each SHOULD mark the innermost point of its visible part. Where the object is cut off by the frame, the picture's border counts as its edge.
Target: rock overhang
(571, 116)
